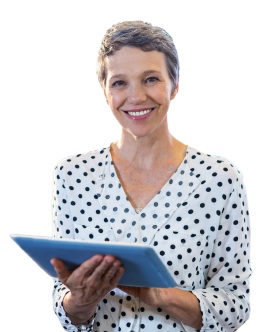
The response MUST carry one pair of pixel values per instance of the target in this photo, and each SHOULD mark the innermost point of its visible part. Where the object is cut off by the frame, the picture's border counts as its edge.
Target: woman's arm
(224, 301)
(183, 305)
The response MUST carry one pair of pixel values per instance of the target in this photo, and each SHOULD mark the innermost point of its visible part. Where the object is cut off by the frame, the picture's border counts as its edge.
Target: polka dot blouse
(198, 224)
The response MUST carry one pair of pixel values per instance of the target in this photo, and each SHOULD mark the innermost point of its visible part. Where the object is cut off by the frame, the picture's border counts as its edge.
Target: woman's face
(135, 88)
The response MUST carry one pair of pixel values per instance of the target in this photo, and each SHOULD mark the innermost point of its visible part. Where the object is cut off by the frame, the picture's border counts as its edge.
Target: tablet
(143, 266)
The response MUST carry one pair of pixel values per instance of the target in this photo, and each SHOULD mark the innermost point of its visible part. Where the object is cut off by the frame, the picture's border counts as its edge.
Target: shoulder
(90, 160)
(209, 166)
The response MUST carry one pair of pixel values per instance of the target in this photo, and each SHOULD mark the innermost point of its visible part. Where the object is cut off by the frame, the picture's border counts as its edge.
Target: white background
(226, 106)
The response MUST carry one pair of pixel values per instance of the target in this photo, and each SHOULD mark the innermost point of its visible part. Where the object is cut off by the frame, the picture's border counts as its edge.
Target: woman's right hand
(88, 284)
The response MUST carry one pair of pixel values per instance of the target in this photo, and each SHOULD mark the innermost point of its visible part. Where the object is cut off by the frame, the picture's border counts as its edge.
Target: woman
(150, 188)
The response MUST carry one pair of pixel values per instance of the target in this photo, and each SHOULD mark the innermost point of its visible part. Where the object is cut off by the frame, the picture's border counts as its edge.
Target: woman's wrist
(77, 315)
(183, 305)
(165, 296)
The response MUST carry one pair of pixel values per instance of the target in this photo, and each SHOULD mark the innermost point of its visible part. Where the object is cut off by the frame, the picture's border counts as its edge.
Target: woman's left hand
(152, 296)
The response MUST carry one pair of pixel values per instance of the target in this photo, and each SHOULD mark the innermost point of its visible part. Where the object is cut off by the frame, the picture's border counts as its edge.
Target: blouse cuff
(66, 322)
(206, 316)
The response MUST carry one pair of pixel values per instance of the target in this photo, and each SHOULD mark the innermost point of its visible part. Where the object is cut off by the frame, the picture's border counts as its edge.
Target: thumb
(57, 263)
(62, 273)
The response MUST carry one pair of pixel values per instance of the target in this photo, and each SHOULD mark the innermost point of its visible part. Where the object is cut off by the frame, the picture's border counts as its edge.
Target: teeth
(139, 113)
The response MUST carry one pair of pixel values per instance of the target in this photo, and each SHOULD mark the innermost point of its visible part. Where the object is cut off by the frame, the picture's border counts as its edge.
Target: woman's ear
(106, 100)
(174, 93)
(105, 97)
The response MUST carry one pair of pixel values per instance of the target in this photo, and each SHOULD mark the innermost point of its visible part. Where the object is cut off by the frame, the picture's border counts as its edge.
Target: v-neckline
(184, 160)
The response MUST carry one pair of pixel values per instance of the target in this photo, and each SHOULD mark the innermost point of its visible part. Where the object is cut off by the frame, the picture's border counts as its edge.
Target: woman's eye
(117, 82)
(149, 78)
(155, 78)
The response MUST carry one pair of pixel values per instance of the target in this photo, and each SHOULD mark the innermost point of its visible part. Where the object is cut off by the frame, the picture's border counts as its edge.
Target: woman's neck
(147, 158)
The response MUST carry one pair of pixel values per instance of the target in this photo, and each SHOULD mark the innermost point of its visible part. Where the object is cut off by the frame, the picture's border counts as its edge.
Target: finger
(58, 264)
(101, 270)
(62, 273)
(87, 267)
(101, 266)
(118, 275)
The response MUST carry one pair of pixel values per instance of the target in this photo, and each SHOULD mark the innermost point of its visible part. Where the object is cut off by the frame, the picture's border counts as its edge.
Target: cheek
(161, 94)
(116, 101)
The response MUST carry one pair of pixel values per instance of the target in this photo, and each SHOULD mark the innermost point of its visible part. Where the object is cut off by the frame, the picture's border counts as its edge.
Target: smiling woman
(148, 187)
(138, 91)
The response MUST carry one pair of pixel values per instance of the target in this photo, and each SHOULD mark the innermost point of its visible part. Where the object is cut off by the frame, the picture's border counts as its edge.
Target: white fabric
(198, 223)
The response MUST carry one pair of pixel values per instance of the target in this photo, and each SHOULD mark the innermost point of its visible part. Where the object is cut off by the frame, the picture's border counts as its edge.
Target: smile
(139, 115)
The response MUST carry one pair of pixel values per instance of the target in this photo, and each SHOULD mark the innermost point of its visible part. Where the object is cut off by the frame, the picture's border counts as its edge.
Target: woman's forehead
(128, 60)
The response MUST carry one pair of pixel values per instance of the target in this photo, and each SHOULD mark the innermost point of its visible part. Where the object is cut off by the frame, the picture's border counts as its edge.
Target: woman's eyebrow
(151, 71)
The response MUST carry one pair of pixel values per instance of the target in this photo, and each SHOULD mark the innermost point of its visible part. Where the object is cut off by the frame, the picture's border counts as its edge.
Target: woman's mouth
(139, 115)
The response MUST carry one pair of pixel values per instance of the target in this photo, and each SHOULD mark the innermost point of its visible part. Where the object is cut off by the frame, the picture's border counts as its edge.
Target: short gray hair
(141, 35)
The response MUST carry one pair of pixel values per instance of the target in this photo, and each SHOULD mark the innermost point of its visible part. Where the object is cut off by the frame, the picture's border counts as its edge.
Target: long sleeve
(62, 227)
(225, 299)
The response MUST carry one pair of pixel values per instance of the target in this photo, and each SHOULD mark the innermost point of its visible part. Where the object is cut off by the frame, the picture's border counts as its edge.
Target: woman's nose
(136, 94)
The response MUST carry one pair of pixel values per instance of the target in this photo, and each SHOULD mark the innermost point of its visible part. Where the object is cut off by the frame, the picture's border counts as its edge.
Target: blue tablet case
(143, 267)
